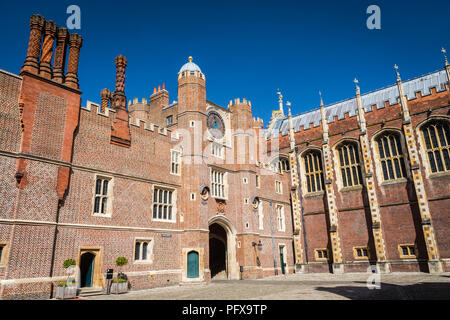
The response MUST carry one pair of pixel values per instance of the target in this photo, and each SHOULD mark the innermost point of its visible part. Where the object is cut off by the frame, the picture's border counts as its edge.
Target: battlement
(258, 123)
(135, 122)
(237, 104)
(423, 86)
(136, 101)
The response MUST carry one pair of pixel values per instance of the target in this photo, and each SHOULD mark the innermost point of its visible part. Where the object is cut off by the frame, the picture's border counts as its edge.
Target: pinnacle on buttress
(445, 56)
(321, 100)
(397, 73)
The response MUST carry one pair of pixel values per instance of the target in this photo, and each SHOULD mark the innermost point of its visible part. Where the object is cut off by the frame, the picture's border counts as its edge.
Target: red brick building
(190, 190)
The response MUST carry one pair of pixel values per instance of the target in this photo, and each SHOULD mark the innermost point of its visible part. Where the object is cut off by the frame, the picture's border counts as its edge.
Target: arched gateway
(222, 249)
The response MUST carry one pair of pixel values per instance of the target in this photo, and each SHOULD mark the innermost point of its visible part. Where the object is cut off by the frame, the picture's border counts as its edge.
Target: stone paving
(398, 286)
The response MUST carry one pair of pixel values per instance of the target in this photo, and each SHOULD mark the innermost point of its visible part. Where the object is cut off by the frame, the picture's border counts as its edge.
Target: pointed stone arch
(232, 265)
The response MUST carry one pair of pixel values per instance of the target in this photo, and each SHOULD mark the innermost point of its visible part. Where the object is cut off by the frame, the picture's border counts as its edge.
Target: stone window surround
(409, 256)
(174, 203)
(337, 164)
(355, 253)
(110, 195)
(316, 255)
(304, 184)
(280, 217)
(172, 151)
(215, 146)
(4, 255)
(377, 161)
(225, 183)
(150, 255)
(260, 216)
(422, 148)
(278, 186)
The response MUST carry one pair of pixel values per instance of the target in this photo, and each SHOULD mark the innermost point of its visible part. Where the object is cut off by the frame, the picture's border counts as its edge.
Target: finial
(445, 56)
(280, 96)
(356, 82)
(396, 71)
(288, 104)
(280, 101)
(321, 100)
(190, 59)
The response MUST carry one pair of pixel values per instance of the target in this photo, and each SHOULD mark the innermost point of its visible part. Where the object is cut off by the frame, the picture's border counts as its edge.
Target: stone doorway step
(94, 291)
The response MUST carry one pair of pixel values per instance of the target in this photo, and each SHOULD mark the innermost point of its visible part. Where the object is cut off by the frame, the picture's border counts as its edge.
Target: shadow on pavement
(387, 291)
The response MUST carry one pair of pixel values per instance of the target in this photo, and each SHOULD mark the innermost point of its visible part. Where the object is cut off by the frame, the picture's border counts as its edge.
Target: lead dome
(190, 66)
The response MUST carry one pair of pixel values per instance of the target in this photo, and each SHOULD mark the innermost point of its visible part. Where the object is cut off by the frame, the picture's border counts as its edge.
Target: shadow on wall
(387, 291)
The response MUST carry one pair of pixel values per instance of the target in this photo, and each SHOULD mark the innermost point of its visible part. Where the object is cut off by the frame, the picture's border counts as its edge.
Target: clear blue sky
(245, 48)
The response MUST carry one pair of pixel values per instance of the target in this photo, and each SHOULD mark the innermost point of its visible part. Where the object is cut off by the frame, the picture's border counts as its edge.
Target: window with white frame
(280, 218)
(218, 184)
(260, 216)
(278, 187)
(175, 162)
(163, 204)
(142, 250)
(102, 196)
(217, 150)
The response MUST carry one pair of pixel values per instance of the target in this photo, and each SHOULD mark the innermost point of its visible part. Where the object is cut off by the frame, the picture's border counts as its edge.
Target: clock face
(215, 125)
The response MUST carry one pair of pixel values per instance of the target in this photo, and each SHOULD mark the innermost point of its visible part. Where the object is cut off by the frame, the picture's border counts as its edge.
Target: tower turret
(241, 114)
(191, 88)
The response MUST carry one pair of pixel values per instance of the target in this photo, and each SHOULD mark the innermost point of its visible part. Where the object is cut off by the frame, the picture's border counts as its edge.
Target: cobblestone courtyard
(399, 286)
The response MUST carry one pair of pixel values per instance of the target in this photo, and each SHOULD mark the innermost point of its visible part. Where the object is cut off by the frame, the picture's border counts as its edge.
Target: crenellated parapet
(147, 125)
(241, 114)
(258, 123)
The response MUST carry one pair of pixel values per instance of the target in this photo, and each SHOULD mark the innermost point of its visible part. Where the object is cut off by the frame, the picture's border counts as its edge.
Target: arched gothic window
(313, 171)
(391, 156)
(436, 135)
(349, 164)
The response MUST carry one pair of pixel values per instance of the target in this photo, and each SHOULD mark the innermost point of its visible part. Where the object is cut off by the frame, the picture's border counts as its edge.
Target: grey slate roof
(437, 79)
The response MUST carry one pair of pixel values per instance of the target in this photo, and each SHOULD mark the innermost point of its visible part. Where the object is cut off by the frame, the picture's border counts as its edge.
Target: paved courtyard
(399, 286)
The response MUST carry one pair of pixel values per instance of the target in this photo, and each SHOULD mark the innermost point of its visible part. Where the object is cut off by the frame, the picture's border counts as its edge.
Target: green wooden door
(282, 260)
(89, 274)
(192, 264)
(87, 269)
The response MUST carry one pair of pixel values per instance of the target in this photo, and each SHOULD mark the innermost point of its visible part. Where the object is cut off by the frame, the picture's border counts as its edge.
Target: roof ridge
(367, 93)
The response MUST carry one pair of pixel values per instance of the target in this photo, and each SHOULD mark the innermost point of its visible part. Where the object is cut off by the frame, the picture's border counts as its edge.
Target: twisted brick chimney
(45, 68)
(105, 95)
(75, 42)
(39, 80)
(31, 63)
(120, 131)
(60, 55)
